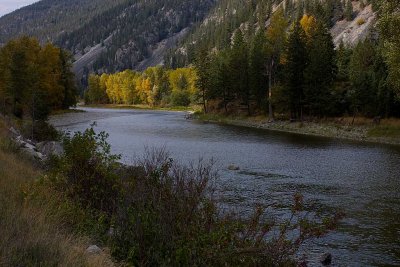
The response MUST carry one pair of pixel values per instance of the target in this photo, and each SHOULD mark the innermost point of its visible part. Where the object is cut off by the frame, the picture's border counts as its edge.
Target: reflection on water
(362, 179)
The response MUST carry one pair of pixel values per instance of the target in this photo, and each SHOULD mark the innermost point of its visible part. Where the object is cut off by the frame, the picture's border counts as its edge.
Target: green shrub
(180, 98)
(86, 172)
(42, 131)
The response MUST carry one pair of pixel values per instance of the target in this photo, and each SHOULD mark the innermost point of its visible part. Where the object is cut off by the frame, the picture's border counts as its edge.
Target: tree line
(156, 86)
(294, 69)
(35, 79)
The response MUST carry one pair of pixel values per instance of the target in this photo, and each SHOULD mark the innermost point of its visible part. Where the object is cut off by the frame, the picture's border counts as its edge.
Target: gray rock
(50, 148)
(111, 232)
(233, 168)
(32, 154)
(326, 259)
(29, 146)
(93, 249)
(14, 132)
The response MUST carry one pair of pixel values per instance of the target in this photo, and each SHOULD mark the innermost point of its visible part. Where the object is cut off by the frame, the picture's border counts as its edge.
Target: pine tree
(257, 68)
(320, 71)
(67, 80)
(296, 62)
(202, 65)
(238, 67)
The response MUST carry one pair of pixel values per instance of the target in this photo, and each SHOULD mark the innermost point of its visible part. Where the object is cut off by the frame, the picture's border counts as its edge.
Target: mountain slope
(47, 19)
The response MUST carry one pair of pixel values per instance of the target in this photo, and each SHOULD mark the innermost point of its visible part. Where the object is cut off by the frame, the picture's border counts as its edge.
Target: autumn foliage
(35, 79)
(155, 86)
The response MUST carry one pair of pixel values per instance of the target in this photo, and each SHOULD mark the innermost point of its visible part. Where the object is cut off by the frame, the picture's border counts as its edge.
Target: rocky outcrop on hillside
(351, 32)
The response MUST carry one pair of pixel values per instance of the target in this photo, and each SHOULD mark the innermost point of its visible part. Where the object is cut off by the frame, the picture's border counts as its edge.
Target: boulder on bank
(51, 148)
(233, 168)
(14, 133)
(189, 115)
(32, 154)
(93, 249)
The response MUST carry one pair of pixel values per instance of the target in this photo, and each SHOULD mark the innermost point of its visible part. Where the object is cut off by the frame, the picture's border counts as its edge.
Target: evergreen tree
(296, 62)
(320, 71)
(238, 68)
(202, 65)
(257, 68)
(363, 95)
(67, 80)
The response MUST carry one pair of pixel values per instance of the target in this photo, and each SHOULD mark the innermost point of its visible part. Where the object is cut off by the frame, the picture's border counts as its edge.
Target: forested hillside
(348, 21)
(48, 19)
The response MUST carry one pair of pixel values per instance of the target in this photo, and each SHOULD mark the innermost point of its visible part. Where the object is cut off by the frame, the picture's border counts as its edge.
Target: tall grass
(28, 235)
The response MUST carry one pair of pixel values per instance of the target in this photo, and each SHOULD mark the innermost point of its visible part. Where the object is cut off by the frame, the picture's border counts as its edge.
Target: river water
(361, 179)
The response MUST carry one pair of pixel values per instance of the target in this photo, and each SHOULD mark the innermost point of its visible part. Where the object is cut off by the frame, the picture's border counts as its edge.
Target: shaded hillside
(130, 32)
(47, 19)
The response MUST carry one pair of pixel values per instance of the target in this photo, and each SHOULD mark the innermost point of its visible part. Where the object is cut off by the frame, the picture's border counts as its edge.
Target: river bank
(387, 132)
(140, 107)
(363, 129)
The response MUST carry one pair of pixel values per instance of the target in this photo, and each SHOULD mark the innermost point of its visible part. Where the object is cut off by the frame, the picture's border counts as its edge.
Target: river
(361, 179)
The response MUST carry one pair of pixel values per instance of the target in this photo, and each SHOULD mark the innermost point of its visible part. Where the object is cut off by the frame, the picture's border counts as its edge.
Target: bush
(42, 131)
(180, 98)
(86, 172)
(168, 216)
(360, 21)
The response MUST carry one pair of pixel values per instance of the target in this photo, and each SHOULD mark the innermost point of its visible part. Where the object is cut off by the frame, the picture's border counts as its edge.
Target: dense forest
(35, 79)
(291, 69)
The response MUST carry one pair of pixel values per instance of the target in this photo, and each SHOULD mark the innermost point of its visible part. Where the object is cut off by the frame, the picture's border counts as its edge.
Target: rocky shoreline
(39, 151)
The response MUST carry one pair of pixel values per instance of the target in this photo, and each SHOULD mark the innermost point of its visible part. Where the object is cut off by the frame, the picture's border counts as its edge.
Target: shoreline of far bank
(139, 107)
(385, 133)
(363, 129)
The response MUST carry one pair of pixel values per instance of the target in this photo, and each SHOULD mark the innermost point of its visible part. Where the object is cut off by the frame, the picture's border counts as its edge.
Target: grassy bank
(362, 129)
(142, 107)
(30, 235)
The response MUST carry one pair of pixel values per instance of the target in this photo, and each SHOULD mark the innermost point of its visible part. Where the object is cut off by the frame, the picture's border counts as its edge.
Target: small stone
(326, 259)
(233, 168)
(111, 232)
(93, 249)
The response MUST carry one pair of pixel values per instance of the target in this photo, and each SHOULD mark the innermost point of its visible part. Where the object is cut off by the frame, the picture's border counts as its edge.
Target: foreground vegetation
(30, 233)
(157, 212)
